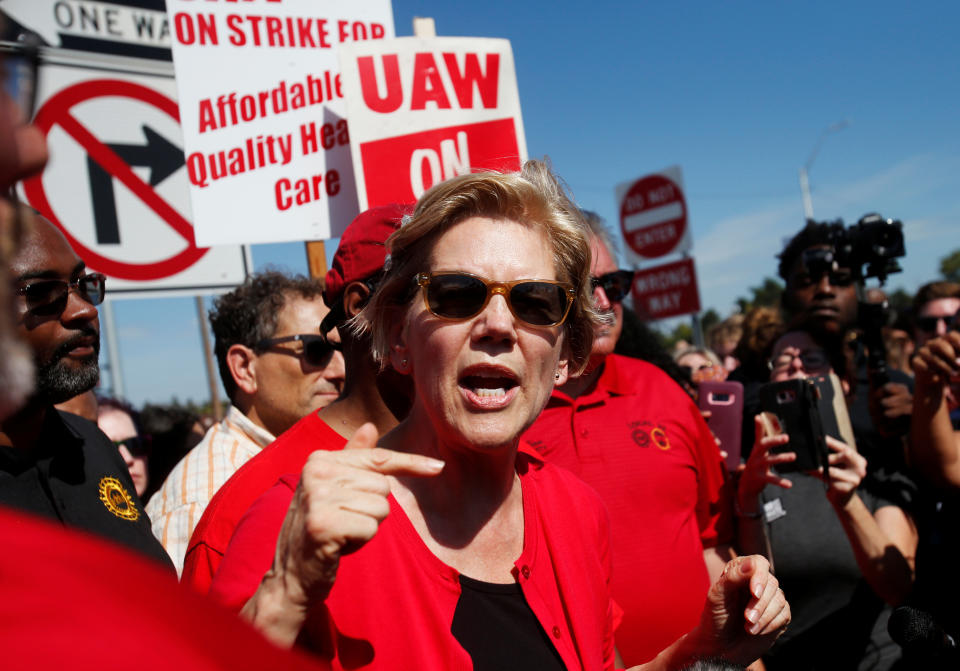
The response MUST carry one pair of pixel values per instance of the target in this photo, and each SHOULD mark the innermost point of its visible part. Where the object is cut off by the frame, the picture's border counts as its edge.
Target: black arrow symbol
(159, 154)
(162, 157)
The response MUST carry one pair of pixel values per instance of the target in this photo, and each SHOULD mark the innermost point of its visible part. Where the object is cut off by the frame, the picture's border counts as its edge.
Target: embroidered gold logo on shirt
(117, 500)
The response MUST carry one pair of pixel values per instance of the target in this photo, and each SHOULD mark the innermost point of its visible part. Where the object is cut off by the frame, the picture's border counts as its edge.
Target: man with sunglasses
(54, 463)
(369, 395)
(634, 435)
(936, 310)
(276, 368)
(821, 296)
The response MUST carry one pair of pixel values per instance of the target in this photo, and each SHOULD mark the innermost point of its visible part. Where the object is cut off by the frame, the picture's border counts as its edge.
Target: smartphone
(795, 404)
(724, 400)
(833, 409)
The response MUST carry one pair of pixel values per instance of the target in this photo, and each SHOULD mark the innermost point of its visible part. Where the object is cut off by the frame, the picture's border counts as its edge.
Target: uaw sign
(653, 215)
(263, 114)
(665, 291)
(424, 110)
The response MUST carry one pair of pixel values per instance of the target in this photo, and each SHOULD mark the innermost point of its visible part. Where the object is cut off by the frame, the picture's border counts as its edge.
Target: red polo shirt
(639, 440)
(287, 454)
(393, 601)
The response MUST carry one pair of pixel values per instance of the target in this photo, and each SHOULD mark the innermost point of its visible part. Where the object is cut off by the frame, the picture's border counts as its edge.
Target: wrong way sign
(116, 185)
(668, 290)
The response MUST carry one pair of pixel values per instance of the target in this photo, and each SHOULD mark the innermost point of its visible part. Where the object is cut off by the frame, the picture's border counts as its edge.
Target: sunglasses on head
(458, 296)
(49, 296)
(930, 324)
(616, 285)
(316, 352)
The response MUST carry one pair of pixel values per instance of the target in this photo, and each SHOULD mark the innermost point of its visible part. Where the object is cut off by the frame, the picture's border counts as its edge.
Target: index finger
(835, 444)
(361, 451)
(388, 462)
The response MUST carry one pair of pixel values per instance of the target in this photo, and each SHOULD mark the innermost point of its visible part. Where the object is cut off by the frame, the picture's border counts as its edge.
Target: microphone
(918, 633)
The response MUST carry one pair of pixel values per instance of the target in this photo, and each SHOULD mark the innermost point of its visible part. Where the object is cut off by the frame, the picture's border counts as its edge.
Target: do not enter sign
(653, 215)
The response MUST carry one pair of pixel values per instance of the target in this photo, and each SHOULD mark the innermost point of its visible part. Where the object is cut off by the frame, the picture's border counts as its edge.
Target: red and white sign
(666, 291)
(115, 183)
(653, 215)
(263, 114)
(423, 110)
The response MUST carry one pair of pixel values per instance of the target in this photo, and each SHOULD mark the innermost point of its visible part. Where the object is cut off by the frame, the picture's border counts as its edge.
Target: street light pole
(805, 168)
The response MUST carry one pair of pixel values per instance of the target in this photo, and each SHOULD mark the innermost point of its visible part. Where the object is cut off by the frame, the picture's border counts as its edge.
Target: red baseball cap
(361, 253)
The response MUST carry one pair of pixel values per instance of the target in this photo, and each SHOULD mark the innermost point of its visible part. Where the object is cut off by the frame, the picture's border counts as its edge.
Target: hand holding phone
(759, 469)
(847, 468)
(795, 405)
(724, 403)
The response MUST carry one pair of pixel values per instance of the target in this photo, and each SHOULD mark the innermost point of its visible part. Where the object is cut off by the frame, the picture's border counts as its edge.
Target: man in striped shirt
(276, 368)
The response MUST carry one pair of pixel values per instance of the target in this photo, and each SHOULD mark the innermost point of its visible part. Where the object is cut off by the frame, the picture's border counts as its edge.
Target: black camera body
(869, 248)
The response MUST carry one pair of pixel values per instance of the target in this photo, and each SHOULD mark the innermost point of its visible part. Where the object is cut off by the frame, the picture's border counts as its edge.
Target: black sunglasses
(929, 324)
(837, 278)
(458, 296)
(616, 285)
(50, 296)
(134, 445)
(317, 352)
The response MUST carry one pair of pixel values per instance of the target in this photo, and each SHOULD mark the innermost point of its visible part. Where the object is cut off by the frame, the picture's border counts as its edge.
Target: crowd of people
(460, 449)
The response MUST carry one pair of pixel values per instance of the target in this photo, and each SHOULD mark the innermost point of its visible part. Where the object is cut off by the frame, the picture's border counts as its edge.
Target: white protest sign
(261, 104)
(115, 183)
(423, 110)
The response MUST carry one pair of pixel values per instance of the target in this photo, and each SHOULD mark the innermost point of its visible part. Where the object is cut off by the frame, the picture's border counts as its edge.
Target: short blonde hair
(532, 197)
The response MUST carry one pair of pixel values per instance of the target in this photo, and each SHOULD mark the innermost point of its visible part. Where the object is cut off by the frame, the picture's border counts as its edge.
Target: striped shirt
(176, 508)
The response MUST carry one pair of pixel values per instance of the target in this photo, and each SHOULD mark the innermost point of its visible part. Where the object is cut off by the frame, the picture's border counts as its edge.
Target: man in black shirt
(52, 463)
(824, 301)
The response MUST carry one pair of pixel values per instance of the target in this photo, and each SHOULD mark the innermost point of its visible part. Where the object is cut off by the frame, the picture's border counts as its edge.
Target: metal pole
(113, 349)
(697, 329)
(805, 190)
(208, 359)
(805, 169)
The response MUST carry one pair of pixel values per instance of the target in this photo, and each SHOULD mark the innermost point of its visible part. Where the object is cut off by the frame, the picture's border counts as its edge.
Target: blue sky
(735, 93)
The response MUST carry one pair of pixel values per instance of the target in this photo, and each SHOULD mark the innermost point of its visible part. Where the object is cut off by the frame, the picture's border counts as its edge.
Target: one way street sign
(137, 28)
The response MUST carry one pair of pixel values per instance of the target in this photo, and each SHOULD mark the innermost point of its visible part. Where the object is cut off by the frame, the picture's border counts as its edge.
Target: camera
(869, 248)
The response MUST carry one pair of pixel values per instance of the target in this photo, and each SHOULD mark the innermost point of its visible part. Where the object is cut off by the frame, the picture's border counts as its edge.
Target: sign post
(654, 223)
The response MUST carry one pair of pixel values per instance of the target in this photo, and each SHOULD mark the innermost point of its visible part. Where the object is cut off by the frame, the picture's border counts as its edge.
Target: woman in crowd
(842, 554)
(121, 424)
(453, 546)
